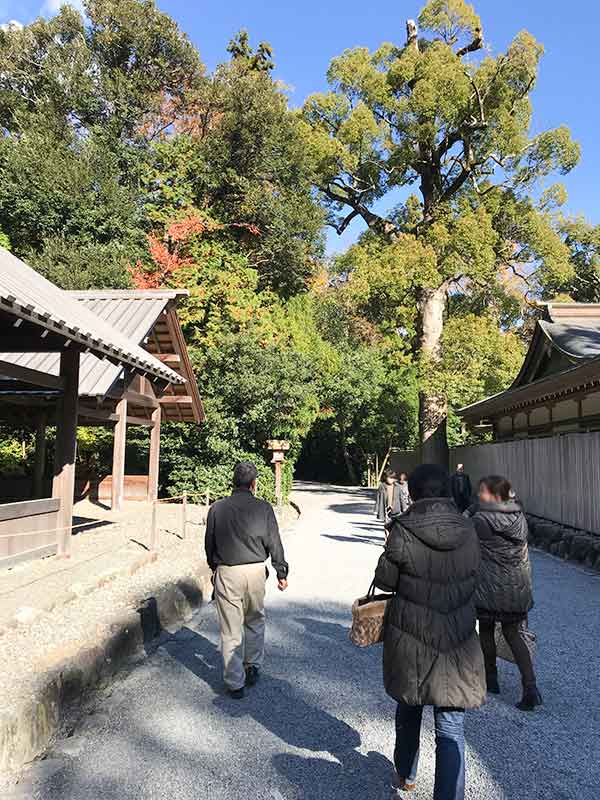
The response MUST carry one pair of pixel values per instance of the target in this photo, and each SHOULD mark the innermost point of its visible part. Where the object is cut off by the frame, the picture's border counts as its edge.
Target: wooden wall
(27, 530)
(556, 477)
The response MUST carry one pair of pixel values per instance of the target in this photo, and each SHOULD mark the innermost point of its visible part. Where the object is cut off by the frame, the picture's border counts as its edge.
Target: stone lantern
(279, 447)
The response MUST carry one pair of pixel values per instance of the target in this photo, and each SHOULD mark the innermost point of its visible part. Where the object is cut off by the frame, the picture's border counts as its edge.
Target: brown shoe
(402, 785)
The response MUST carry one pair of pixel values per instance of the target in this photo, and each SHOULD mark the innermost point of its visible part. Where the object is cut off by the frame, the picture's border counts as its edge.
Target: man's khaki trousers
(240, 600)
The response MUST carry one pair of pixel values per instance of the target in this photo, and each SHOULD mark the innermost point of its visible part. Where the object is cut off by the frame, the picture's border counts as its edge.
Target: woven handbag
(368, 618)
(502, 648)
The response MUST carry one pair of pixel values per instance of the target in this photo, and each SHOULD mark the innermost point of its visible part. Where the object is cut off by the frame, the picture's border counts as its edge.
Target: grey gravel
(319, 725)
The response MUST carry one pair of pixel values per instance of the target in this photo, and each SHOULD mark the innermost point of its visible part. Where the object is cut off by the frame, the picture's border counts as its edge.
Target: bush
(195, 478)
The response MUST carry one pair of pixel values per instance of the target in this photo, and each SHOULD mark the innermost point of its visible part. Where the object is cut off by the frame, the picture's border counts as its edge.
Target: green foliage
(4, 240)
(243, 158)
(420, 113)
(191, 477)
(111, 71)
(581, 281)
(12, 463)
(241, 53)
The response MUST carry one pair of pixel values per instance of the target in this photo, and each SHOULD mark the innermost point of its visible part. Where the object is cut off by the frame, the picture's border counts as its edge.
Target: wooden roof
(147, 319)
(44, 317)
(563, 358)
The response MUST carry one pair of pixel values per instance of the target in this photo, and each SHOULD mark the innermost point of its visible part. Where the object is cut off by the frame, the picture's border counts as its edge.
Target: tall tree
(81, 97)
(430, 112)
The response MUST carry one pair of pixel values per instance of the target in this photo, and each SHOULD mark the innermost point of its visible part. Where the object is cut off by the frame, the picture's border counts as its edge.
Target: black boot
(493, 686)
(531, 699)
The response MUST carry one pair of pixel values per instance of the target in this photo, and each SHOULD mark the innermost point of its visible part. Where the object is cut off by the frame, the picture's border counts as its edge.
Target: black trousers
(512, 634)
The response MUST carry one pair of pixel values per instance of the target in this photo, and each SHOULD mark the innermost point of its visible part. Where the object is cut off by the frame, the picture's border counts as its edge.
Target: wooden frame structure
(49, 342)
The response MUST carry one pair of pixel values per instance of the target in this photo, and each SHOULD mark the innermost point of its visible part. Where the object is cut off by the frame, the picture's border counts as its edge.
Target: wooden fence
(557, 477)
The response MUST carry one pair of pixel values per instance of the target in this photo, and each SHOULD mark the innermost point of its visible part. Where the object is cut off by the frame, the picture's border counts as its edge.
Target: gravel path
(319, 726)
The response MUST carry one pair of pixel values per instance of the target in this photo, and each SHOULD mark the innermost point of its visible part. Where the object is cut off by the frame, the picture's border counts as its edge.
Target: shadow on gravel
(321, 488)
(351, 508)
(279, 707)
(378, 541)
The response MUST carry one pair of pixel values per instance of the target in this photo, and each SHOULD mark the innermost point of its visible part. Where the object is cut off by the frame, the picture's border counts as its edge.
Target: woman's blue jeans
(449, 748)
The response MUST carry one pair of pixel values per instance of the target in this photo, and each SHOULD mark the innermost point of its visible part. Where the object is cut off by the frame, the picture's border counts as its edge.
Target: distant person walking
(505, 589)
(405, 501)
(388, 496)
(431, 653)
(241, 533)
(460, 486)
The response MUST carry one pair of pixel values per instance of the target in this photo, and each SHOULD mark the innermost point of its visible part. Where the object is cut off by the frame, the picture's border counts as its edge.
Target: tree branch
(373, 221)
(476, 44)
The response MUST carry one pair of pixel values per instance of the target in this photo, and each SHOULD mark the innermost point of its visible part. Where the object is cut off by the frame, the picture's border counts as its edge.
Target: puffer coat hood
(505, 586)
(431, 653)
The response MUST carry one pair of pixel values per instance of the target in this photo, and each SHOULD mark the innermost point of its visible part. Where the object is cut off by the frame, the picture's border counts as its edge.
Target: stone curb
(565, 542)
(27, 729)
(81, 589)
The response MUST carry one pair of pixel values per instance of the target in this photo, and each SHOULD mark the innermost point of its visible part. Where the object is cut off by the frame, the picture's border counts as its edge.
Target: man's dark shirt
(241, 529)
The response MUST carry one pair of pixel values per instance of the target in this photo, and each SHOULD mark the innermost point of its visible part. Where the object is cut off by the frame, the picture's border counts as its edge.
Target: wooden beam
(31, 376)
(118, 468)
(104, 415)
(100, 414)
(186, 370)
(63, 486)
(25, 343)
(154, 458)
(175, 399)
(39, 463)
(137, 399)
(169, 358)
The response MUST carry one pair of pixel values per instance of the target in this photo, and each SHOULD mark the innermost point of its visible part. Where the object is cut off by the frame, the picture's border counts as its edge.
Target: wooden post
(63, 485)
(278, 492)
(183, 514)
(154, 459)
(40, 456)
(118, 468)
(154, 529)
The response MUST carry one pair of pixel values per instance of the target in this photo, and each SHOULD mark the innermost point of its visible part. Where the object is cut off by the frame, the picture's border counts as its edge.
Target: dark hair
(497, 485)
(405, 476)
(428, 480)
(243, 474)
(387, 473)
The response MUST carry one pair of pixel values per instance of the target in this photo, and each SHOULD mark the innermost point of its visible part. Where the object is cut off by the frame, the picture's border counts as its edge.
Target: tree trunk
(348, 461)
(433, 408)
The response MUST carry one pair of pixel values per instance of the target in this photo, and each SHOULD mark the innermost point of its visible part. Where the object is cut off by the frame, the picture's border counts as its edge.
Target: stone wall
(565, 541)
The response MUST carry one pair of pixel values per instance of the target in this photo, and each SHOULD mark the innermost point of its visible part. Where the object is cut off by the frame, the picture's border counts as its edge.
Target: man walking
(431, 653)
(460, 486)
(241, 533)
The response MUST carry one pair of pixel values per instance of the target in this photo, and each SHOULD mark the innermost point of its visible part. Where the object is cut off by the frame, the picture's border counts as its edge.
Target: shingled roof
(25, 294)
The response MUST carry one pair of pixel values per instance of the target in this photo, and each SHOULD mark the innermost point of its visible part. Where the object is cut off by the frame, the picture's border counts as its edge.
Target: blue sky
(306, 35)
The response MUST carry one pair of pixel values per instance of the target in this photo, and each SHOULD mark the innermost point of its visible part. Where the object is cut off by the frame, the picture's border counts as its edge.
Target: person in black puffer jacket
(505, 589)
(431, 652)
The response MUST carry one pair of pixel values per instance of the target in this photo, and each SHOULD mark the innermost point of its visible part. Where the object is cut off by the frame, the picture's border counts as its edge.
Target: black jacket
(431, 652)
(460, 486)
(241, 529)
(505, 586)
